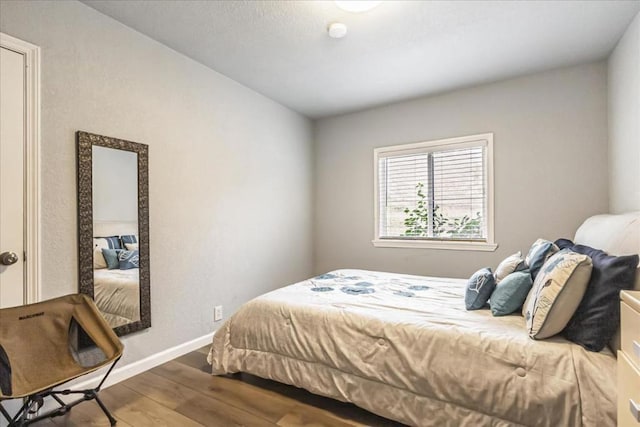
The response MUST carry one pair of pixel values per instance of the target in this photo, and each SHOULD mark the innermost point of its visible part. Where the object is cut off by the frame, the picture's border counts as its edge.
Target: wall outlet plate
(217, 313)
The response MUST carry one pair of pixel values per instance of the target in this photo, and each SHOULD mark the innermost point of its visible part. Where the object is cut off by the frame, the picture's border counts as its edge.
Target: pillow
(129, 260)
(131, 246)
(598, 316)
(129, 238)
(112, 242)
(479, 288)
(510, 295)
(98, 259)
(540, 251)
(507, 266)
(563, 243)
(111, 257)
(556, 293)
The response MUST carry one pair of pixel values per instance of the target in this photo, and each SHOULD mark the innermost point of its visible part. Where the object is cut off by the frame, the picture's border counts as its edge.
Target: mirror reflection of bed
(115, 235)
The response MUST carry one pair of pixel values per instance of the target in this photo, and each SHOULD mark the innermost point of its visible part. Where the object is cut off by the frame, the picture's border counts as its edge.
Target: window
(435, 194)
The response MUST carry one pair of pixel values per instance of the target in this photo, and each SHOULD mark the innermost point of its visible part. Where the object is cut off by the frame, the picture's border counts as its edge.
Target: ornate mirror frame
(85, 143)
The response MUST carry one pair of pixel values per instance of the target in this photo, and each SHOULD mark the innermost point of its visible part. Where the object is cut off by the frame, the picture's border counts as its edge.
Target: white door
(12, 177)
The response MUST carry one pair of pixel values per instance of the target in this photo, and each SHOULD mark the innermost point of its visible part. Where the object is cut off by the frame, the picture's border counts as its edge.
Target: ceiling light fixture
(337, 30)
(356, 5)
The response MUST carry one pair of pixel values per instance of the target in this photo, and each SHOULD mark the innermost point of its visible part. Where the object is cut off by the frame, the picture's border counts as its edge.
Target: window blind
(433, 193)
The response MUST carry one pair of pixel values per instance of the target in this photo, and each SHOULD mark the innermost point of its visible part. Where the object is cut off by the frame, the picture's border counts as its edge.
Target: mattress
(117, 295)
(405, 348)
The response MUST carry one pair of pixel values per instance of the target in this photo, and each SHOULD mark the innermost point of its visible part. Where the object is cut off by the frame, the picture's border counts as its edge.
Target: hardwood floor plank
(87, 414)
(243, 396)
(304, 416)
(191, 403)
(140, 411)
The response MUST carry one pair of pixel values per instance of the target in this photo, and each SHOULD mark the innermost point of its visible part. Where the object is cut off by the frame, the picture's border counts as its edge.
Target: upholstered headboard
(616, 235)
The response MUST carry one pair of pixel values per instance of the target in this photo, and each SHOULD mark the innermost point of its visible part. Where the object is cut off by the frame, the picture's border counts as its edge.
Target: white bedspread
(117, 295)
(404, 347)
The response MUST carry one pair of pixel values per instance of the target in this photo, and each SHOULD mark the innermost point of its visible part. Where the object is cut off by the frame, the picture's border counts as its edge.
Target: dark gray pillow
(479, 289)
(598, 316)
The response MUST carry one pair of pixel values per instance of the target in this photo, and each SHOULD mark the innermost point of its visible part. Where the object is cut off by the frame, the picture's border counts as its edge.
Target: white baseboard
(135, 368)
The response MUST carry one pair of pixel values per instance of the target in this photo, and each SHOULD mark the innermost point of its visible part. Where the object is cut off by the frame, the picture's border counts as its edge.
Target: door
(12, 177)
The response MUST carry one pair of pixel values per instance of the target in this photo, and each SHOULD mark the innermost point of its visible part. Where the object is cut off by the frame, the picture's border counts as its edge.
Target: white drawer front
(630, 332)
(628, 393)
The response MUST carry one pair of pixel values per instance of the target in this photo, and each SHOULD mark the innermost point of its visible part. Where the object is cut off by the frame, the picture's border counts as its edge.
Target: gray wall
(624, 122)
(550, 133)
(230, 181)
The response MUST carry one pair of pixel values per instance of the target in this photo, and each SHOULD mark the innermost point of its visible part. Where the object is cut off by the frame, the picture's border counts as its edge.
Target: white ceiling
(400, 50)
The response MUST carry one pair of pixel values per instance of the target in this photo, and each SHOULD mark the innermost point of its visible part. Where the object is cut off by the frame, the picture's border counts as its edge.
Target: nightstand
(629, 361)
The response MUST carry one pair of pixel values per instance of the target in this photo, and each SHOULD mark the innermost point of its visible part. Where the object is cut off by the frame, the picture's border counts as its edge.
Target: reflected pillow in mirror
(131, 246)
(129, 260)
(111, 256)
(111, 242)
(129, 238)
(98, 259)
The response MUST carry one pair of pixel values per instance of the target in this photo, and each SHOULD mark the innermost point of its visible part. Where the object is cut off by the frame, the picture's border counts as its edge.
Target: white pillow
(556, 293)
(98, 259)
(131, 246)
(507, 266)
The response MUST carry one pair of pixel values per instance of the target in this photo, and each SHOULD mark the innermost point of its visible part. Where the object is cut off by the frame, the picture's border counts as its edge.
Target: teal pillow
(510, 294)
(111, 256)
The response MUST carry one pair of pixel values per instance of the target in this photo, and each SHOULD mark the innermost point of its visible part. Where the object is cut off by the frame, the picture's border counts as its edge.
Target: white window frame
(448, 143)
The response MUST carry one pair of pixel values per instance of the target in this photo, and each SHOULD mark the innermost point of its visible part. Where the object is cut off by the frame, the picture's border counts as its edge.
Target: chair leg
(112, 420)
(4, 413)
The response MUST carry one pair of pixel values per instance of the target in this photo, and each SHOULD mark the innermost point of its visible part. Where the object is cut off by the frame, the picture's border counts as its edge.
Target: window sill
(435, 244)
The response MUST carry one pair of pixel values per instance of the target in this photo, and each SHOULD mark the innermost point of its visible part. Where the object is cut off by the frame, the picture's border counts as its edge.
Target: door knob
(8, 258)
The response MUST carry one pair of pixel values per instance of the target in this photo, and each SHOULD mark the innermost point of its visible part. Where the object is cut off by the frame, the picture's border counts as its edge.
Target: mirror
(113, 223)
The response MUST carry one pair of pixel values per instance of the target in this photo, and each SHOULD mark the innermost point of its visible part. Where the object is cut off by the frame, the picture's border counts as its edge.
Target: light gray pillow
(507, 266)
(557, 291)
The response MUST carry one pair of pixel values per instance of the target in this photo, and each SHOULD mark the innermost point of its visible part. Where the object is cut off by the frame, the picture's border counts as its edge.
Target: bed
(117, 295)
(405, 348)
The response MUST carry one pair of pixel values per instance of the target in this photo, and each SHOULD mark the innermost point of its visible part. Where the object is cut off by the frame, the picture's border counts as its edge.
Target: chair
(47, 344)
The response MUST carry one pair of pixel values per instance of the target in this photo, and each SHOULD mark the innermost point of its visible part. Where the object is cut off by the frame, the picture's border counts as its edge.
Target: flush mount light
(337, 30)
(356, 5)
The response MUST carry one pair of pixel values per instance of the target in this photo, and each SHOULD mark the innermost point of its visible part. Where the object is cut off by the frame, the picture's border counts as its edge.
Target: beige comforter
(404, 347)
(117, 295)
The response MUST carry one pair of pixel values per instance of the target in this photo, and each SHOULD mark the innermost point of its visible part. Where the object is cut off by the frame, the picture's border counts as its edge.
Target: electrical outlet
(217, 313)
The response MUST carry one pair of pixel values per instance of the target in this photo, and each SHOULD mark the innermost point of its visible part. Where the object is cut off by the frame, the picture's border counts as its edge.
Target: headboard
(616, 235)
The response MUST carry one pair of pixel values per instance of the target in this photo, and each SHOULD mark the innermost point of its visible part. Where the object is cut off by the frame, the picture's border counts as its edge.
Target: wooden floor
(183, 393)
